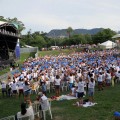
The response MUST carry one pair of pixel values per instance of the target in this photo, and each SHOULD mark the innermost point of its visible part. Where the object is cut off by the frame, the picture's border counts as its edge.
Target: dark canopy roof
(8, 35)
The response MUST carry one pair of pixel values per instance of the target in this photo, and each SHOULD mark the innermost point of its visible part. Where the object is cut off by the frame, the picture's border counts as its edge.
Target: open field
(108, 101)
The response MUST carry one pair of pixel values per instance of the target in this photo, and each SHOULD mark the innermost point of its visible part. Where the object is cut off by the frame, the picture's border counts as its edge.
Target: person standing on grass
(20, 85)
(108, 78)
(27, 91)
(44, 88)
(71, 80)
(4, 88)
(57, 85)
(80, 91)
(113, 76)
(14, 88)
(91, 89)
(100, 81)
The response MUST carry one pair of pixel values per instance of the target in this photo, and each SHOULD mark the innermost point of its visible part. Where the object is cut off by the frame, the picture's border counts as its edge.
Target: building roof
(116, 36)
(2, 22)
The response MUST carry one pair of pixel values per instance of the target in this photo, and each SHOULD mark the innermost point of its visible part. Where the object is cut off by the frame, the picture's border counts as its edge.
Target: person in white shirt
(71, 80)
(108, 78)
(44, 103)
(80, 91)
(20, 85)
(14, 88)
(73, 91)
(117, 76)
(100, 81)
(26, 111)
(52, 78)
(27, 90)
(91, 89)
(4, 88)
(57, 85)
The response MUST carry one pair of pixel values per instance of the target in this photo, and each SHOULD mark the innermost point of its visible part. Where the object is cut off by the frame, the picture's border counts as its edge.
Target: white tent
(108, 44)
(29, 46)
(116, 36)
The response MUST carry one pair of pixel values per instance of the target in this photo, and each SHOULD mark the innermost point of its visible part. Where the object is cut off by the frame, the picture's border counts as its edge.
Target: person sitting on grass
(73, 91)
(26, 111)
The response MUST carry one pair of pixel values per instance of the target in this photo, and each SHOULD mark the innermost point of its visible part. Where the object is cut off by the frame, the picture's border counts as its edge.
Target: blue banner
(17, 50)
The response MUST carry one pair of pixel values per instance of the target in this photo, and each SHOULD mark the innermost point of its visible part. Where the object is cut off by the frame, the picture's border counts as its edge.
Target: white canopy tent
(116, 36)
(108, 44)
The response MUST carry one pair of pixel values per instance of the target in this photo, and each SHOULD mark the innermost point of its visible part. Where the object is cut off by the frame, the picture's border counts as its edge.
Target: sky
(45, 15)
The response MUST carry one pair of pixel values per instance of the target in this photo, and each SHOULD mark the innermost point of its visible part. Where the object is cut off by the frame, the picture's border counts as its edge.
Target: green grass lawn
(4, 71)
(56, 52)
(108, 101)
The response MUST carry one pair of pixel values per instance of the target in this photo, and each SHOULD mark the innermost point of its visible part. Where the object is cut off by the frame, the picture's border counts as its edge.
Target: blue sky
(44, 15)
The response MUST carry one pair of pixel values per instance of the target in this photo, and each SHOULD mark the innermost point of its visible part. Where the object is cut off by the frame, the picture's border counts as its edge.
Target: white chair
(64, 86)
(12, 117)
(48, 86)
(52, 86)
(36, 109)
(46, 108)
(24, 118)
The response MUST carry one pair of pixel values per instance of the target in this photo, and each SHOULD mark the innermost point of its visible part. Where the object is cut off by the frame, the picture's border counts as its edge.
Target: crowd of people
(80, 71)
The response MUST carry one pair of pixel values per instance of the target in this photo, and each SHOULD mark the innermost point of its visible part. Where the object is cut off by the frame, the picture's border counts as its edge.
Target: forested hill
(63, 32)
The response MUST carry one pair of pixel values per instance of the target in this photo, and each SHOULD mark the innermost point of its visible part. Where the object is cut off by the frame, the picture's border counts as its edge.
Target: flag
(17, 50)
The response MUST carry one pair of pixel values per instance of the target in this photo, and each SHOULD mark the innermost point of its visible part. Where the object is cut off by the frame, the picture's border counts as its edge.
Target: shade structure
(116, 36)
(108, 44)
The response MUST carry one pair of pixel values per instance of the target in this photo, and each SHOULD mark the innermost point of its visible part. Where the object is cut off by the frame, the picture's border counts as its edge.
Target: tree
(102, 36)
(34, 39)
(2, 19)
(69, 31)
(88, 38)
(20, 26)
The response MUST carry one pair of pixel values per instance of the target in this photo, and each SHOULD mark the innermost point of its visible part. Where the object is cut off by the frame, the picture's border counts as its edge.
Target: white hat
(40, 94)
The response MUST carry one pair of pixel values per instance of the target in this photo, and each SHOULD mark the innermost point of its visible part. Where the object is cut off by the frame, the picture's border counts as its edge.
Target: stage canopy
(8, 38)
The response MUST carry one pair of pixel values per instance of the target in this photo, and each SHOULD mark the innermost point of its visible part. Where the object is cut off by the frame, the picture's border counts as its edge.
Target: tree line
(41, 40)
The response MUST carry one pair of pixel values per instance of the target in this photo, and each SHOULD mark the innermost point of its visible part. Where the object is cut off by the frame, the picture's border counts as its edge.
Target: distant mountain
(63, 32)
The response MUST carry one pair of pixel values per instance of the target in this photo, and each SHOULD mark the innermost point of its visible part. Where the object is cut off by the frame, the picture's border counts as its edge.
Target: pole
(54, 38)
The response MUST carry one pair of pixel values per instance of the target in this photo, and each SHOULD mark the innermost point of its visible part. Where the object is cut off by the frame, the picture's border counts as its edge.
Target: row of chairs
(51, 87)
(37, 112)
